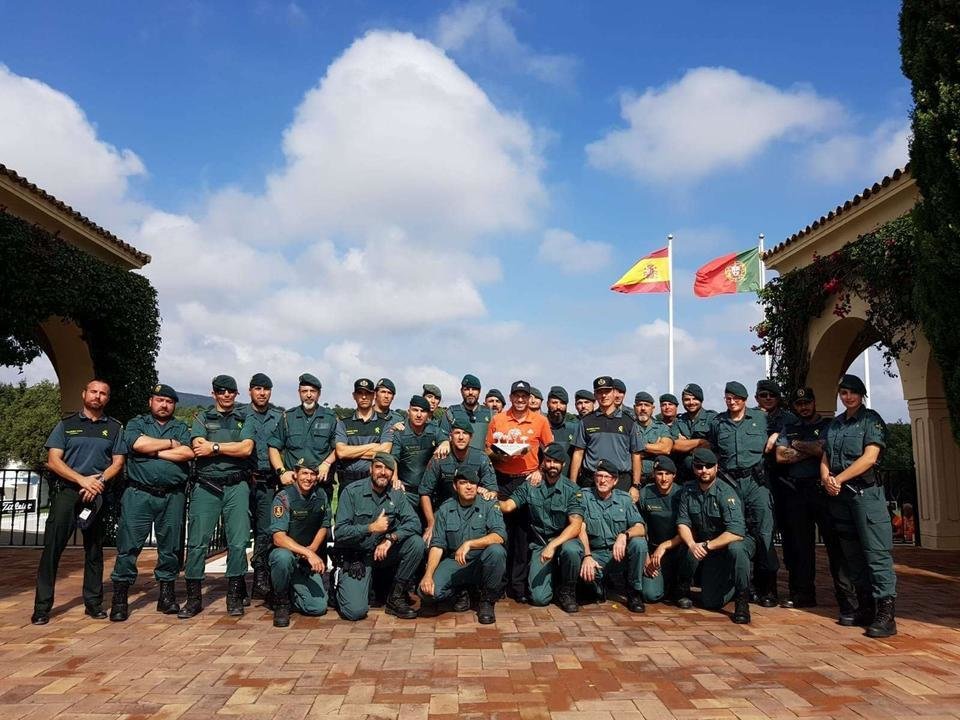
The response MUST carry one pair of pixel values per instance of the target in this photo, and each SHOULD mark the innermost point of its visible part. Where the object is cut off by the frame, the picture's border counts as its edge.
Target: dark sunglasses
(224, 391)
(765, 395)
(701, 466)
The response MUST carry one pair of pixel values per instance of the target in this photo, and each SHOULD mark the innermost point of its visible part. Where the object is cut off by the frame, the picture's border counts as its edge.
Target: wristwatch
(280, 471)
(216, 448)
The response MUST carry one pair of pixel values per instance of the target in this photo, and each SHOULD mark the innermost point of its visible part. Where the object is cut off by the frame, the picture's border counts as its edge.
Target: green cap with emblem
(493, 392)
(665, 463)
(419, 401)
(311, 380)
(386, 459)
(669, 398)
(261, 380)
(619, 385)
(364, 385)
(308, 461)
(166, 391)
(429, 389)
(555, 451)
(470, 381)
(224, 382)
(769, 386)
(704, 456)
(386, 383)
(606, 466)
(461, 423)
(642, 397)
(559, 393)
(693, 390)
(536, 392)
(585, 395)
(852, 383)
(737, 389)
(467, 473)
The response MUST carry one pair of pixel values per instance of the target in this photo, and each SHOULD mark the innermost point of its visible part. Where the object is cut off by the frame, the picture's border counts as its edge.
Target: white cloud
(864, 158)
(713, 118)
(480, 28)
(572, 255)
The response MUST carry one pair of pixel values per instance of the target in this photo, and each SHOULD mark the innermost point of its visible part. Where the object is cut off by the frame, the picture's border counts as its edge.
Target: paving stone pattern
(602, 663)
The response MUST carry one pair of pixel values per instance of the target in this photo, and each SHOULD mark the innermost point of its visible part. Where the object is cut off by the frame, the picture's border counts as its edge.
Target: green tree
(27, 415)
(930, 54)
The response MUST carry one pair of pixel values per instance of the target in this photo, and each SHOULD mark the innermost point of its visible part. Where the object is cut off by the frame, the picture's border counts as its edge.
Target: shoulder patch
(278, 511)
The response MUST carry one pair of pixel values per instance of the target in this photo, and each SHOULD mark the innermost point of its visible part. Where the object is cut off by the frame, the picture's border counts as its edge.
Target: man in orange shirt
(517, 426)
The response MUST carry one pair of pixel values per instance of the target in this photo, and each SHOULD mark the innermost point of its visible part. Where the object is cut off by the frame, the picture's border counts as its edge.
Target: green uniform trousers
(291, 574)
(61, 519)
(632, 564)
(261, 509)
(758, 514)
(353, 594)
(484, 570)
(565, 563)
(206, 508)
(139, 511)
(866, 537)
(725, 573)
(675, 568)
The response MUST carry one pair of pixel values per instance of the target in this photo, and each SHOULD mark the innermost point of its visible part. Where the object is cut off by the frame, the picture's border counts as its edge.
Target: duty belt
(155, 491)
(740, 473)
(351, 475)
(268, 479)
(225, 481)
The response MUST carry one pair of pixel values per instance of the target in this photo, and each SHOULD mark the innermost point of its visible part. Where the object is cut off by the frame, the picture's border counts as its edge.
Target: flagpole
(866, 376)
(670, 313)
(763, 281)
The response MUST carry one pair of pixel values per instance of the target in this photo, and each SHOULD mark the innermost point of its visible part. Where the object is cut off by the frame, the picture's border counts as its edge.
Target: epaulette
(70, 415)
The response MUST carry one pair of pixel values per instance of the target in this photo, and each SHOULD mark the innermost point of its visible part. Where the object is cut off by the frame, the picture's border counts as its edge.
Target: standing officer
(564, 431)
(264, 416)
(693, 426)
(158, 456)
(653, 437)
(376, 530)
(384, 392)
(710, 523)
(666, 572)
(613, 536)
(300, 524)
(360, 437)
(668, 413)
(433, 396)
(555, 515)
(619, 393)
(223, 444)
(466, 549)
(494, 400)
(801, 507)
(478, 415)
(585, 402)
(307, 429)
(413, 447)
(536, 399)
(854, 443)
(739, 438)
(606, 433)
(84, 452)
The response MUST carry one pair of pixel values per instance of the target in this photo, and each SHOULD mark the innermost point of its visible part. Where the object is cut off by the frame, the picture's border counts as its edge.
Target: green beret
(854, 384)
(559, 393)
(224, 382)
(602, 382)
(769, 386)
(166, 391)
(429, 389)
(470, 381)
(618, 384)
(386, 383)
(555, 451)
(694, 390)
(311, 380)
(493, 392)
(608, 467)
(804, 393)
(705, 456)
(643, 397)
(419, 401)
(665, 462)
(309, 461)
(467, 473)
(670, 398)
(736, 389)
(585, 395)
(536, 392)
(261, 380)
(461, 422)
(387, 459)
(363, 385)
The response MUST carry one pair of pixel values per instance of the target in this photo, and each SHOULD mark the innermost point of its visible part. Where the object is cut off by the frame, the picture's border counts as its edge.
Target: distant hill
(194, 400)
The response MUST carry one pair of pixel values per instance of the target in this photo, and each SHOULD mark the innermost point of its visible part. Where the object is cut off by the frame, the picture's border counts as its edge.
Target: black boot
(485, 611)
(399, 603)
(261, 583)
(767, 590)
(235, 592)
(244, 596)
(194, 603)
(567, 597)
(281, 610)
(682, 596)
(461, 603)
(167, 603)
(862, 616)
(884, 624)
(635, 601)
(119, 610)
(741, 609)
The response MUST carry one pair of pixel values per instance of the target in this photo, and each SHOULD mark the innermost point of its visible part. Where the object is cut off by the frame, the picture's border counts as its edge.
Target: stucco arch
(63, 342)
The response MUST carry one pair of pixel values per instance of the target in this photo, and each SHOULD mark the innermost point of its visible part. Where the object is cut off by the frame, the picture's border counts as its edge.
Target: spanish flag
(650, 274)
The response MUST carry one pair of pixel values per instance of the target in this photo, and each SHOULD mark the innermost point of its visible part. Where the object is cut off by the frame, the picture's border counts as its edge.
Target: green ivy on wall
(115, 309)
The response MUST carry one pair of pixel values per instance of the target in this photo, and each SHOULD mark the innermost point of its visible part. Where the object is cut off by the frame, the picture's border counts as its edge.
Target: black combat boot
(567, 597)
(635, 601)
(167, 603)
(261, 583)
(681, 596)
(485, 611)
(461, 603)
(767, 590)
(399, 603)
(281, 610)
(244, 596)
(235, 593)
(741, 609)
(884, 624)
(194, 603)
(119, 609)
(862, 616)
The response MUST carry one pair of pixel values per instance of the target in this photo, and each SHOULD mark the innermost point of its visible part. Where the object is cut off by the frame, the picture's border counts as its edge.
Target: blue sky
(423, 189)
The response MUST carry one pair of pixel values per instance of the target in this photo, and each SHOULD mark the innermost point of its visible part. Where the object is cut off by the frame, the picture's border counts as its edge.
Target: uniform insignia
(620, 429)
(239, 425)
(278, 511)
(376, 430)
(732, 501)
(158, 388)
(105, 433)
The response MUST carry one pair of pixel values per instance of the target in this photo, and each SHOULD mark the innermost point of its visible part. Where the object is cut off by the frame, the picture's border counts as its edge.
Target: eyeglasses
(702, 466)
(765, 395)
(224, 391)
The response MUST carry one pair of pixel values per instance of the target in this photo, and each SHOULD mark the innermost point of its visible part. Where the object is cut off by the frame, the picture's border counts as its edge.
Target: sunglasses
(224, 391)
(701, 466)
(766, 395)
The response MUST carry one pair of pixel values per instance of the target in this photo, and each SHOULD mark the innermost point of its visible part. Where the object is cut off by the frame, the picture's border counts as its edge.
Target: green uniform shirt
(673, 428)
(297, 434)
(357, 431)
(805, 432)
(88, 445)
(550, 506)
(359, 505)
(300, 517)
(392, 417)
(739, 445)
(652, 433)
(264, 423)
(848, 437)
(710, 514)
(413, 452)
(564, 434)
(455, 523)
(604, 437)
(153, 471)
(694, 427)
(437, 480)
(608, 518)
(221, 428)
(659, 512)
(480, 419)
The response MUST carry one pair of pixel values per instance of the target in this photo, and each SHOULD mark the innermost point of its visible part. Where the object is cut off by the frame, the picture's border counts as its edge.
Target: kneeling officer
(299, 525)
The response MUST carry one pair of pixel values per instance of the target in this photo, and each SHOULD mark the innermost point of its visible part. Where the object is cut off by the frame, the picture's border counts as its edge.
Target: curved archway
(64, 344)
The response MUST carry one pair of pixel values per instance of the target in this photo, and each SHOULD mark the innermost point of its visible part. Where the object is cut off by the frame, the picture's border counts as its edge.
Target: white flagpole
(763, 281)
(670, 312)
(866, 376)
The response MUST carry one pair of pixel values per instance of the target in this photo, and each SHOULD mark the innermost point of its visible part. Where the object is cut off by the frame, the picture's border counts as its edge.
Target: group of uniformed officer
(462, 506)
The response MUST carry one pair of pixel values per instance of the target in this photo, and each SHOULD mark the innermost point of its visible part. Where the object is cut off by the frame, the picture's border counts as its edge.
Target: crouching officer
(710, 522)
(376, 530)
(467, 547)
(666, 573)
(613, 536)
(157, 469)
(300, 523)
(555, 510)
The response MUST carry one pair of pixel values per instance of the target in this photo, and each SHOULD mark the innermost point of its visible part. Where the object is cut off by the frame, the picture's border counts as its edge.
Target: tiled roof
(840, 210)
(83, 219)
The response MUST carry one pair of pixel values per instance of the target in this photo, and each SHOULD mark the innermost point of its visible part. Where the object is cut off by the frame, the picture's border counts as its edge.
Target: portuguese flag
(733, 273)
(650, 274)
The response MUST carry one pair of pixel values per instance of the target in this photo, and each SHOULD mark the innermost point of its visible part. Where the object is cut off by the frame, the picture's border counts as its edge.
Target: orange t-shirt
(534, 431)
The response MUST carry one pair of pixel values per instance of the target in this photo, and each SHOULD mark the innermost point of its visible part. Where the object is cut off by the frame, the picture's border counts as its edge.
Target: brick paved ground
(534, 663)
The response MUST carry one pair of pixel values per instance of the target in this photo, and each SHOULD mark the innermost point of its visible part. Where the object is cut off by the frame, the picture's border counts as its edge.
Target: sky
(423, 189)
